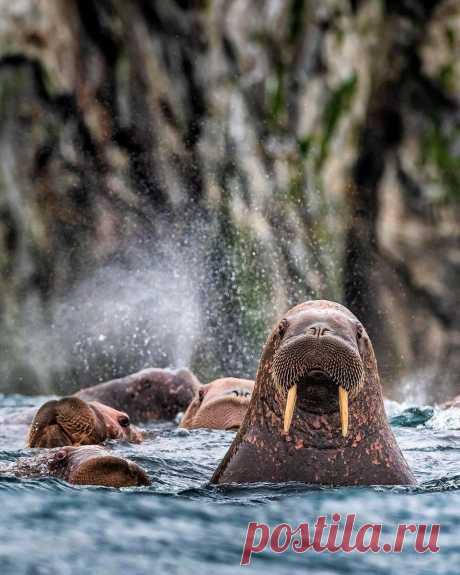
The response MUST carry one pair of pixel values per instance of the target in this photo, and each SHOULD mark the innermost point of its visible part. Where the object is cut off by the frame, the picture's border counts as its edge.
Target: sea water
(180, 524)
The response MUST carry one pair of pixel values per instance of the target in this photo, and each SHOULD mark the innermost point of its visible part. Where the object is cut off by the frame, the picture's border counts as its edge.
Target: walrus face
(318, 360)
(221, 404)
(93, 465)
(72, 421)
(117, 423)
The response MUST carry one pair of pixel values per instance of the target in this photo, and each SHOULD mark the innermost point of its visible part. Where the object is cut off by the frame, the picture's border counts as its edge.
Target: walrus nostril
(240, 393)
(318, 330)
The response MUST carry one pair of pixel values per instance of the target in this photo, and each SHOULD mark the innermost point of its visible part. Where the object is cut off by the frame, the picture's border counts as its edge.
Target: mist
(127, 315)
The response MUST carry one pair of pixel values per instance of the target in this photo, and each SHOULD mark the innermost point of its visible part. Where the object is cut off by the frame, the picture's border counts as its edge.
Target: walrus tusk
(343, 405)
(290, 406)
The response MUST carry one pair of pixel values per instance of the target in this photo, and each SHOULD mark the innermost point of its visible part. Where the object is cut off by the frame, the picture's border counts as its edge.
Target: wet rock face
(175, 175)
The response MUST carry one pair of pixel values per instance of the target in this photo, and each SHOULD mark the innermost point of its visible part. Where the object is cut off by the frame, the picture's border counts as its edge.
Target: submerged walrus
(152, 394)
(89, 465)
(73, 421)
(316, 414)
(149, 395)
(221, 404)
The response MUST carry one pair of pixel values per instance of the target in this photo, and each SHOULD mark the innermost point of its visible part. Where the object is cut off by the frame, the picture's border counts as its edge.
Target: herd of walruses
(314, 414)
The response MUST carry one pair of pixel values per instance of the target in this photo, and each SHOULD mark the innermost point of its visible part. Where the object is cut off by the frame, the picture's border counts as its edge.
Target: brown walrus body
(152, 394)
(149, 395)
(221, 404)
(316, 413)
(89, 465)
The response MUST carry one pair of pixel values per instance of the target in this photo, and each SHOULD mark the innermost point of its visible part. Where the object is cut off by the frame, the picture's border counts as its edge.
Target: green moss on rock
(339, 103)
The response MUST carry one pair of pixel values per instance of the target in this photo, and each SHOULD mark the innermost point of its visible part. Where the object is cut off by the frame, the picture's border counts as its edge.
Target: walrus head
(316, 414)
(221, 404)
(93, 465)
(73, 421)
(319, 360)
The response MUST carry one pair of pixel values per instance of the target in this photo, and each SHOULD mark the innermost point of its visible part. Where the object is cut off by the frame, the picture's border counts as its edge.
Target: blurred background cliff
(174, 175)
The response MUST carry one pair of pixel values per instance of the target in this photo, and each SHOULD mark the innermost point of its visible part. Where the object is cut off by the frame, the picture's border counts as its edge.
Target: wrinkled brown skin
(88, 465)
(221, 404)
(314, 450)
(73, 421)
(149, 395)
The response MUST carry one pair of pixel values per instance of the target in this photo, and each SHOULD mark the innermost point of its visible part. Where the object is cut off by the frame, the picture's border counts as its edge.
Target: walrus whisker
(290, 406)
(343, 406)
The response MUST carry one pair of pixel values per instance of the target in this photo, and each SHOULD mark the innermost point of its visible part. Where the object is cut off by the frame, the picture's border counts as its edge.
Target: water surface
(182, 525)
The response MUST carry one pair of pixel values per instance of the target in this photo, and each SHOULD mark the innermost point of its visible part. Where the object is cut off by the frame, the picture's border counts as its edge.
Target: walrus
(73, 421)
(316, 414)
(220, 404)
(152, 394)
(149, 395)
(88, 465)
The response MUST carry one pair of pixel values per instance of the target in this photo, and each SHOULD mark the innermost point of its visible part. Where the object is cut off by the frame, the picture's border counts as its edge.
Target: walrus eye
(124, 421)
(201, 394)
(282, 328)
(360, 340)
(61, 455)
